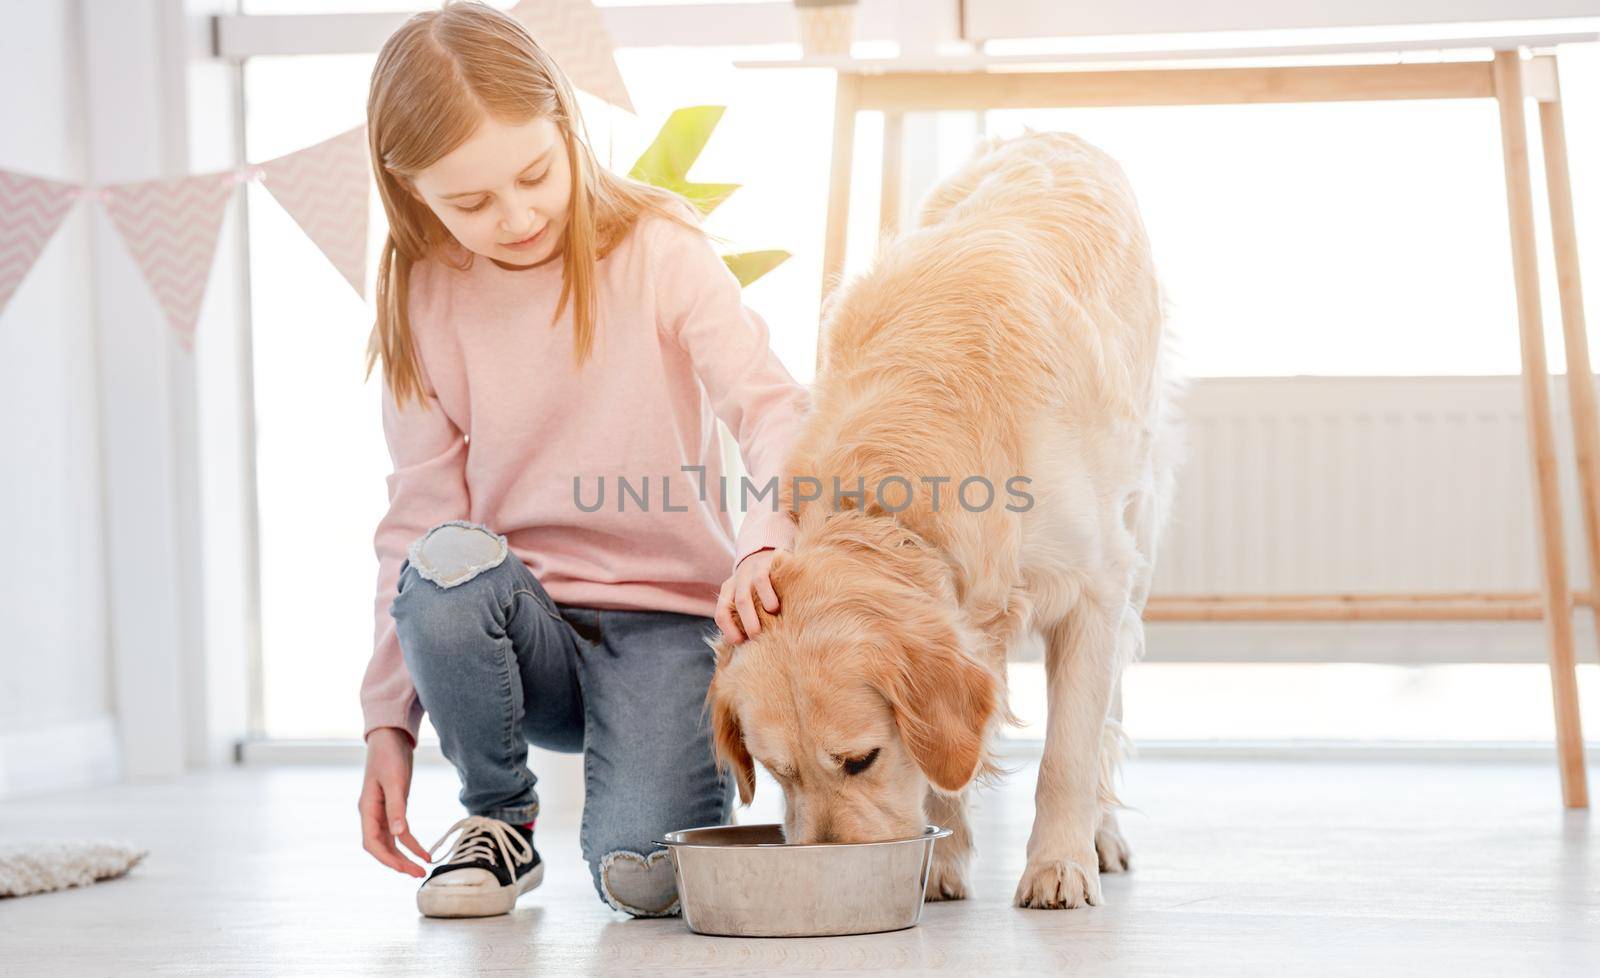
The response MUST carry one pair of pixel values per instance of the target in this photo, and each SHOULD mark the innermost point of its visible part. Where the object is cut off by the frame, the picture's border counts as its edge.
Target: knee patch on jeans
(639, 885)
(457, 551)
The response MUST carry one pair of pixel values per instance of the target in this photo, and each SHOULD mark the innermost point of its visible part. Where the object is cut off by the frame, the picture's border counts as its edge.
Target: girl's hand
(384, 788)
(751, 573)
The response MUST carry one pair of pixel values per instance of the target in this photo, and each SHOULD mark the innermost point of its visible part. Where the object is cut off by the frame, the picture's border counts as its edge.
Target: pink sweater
(512, 422)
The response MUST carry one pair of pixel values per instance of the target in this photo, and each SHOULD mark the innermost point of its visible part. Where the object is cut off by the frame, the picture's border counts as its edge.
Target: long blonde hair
(435, 81)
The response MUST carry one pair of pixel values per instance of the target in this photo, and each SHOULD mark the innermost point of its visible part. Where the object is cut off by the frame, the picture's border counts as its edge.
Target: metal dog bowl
(743, 881)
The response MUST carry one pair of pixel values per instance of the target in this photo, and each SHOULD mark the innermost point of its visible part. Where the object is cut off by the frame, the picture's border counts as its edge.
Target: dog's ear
(943, 699)
(727, 735)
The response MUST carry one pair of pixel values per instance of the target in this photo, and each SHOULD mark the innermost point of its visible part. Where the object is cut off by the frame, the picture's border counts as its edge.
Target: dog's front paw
(1112, 848)
(1058, 884)
(947, 879)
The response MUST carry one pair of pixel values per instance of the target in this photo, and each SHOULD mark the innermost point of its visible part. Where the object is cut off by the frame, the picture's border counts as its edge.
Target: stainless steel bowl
(743, 881)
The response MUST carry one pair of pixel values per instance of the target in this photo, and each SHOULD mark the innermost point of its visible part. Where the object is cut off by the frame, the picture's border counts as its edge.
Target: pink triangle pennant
(171, 229)
(31, 209)
(575, 34)
(326, 189)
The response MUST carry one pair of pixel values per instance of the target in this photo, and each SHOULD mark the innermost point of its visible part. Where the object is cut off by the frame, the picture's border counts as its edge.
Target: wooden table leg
(1541, 438)
(1575, 335)
(846, 99)
(894, 138)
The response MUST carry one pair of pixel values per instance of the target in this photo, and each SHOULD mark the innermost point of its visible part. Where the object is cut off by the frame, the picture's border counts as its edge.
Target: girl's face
(504, 192)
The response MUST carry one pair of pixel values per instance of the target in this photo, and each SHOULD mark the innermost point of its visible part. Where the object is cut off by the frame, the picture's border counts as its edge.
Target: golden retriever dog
(1013, 338)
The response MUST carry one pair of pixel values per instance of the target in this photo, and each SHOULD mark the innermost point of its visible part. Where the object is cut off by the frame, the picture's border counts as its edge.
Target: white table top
(1100, 58)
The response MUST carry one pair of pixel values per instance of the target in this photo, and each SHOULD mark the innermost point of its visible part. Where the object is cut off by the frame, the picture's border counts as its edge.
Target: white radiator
(1360, 484)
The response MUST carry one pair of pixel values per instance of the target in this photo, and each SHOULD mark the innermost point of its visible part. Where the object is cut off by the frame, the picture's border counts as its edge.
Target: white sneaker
(491, 864)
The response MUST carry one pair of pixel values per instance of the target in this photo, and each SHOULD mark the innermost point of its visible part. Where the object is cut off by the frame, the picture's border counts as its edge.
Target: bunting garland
(171, 227)
(575, 34)
(31, 208)
(325, 188)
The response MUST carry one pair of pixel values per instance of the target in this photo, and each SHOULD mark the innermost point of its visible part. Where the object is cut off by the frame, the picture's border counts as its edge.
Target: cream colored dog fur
(1015, 331)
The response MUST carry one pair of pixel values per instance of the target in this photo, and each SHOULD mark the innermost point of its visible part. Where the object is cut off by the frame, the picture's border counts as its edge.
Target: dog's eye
(855, 765)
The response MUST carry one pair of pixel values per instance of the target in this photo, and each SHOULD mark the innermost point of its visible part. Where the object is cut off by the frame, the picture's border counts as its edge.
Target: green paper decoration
(748, 266)
(666, 162)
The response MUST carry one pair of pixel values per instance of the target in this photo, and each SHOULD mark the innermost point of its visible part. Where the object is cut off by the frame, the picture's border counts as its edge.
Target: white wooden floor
(1241, 868)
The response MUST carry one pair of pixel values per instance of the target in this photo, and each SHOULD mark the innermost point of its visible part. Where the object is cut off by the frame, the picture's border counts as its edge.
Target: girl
(545, 328)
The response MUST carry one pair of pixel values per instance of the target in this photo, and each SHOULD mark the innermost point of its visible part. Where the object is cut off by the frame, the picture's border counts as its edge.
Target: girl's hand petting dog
(736, 611)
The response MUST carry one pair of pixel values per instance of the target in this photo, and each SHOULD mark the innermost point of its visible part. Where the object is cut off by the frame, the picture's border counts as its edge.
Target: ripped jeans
(498, 665)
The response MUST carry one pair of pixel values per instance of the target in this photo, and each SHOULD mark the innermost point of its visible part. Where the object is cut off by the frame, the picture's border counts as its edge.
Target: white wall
(222, 536)
(119, 653)
(55, 699)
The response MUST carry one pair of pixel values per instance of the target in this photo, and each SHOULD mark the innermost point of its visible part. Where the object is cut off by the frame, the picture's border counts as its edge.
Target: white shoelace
(481, 838)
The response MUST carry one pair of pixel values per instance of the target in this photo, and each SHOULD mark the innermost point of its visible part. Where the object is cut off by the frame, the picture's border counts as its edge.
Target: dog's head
(862, 691)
